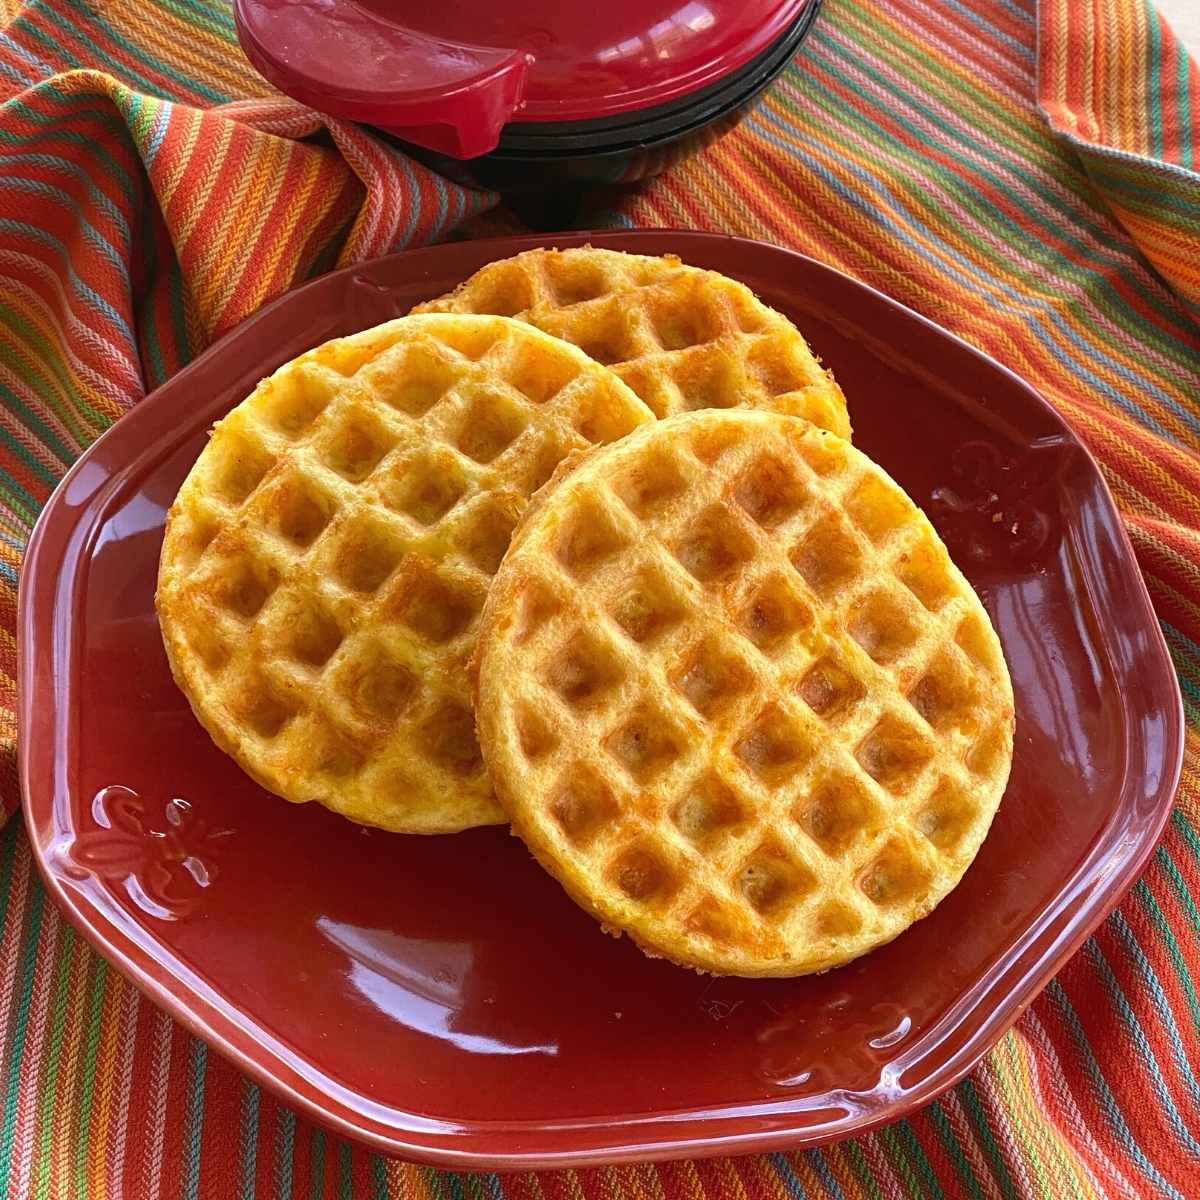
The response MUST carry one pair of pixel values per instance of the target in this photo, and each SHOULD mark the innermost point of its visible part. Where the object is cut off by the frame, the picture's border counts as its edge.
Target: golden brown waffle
(736, 697)
(681, 337)
(326, 559)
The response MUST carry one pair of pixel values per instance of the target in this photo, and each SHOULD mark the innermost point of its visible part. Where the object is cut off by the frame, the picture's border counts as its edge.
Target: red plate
(440, 998)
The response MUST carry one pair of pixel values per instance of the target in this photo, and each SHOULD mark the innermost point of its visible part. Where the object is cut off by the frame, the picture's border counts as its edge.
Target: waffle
(681, 337)
(326, 560)
(736, 697)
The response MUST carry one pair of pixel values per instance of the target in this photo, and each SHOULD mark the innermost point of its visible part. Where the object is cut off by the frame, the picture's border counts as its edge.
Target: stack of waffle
(583, 546)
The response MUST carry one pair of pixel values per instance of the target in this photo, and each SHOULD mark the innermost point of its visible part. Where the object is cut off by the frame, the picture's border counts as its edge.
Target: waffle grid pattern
(745, 706)
(327, 559)
(682, 338)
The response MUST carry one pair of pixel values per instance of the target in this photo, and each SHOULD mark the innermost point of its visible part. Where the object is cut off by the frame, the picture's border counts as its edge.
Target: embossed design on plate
(159, 853)
(994, 509)
(791, 1047)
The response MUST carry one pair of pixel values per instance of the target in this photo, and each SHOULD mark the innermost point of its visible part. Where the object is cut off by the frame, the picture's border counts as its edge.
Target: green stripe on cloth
(194, 1128)
(56, 1025)
(965, 1176)
(318, 1165)
(249, 1140)
(285, 1150)
(95, 1003)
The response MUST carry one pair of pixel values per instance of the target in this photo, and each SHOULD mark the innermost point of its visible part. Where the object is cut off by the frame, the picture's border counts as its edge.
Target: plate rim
(151, 976)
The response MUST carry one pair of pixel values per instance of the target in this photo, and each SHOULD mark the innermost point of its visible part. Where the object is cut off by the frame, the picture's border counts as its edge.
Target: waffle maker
(532, 97)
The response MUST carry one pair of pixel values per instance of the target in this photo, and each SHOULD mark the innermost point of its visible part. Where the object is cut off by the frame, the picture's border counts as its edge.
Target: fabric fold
(1121, 93)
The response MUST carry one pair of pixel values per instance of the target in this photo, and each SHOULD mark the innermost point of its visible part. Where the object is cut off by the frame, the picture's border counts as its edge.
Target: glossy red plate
(441, 998)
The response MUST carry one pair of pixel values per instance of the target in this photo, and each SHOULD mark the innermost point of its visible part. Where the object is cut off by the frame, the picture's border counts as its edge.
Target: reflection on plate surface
(421, 978)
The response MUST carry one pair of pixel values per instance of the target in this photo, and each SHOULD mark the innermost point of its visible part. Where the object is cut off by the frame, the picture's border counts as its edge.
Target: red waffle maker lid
(450, 74)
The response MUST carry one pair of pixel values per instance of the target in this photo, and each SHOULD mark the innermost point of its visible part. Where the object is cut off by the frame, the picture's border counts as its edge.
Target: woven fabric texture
(1022, 173)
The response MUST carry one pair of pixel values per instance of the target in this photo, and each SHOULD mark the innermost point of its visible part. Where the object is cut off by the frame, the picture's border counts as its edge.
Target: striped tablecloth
(1021, 172)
